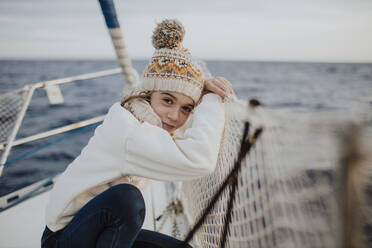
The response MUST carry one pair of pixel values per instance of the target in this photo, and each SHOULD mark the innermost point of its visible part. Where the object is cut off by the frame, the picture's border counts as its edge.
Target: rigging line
(216, 195)
(245, 147)
(234, 186)
(228, 214)
(37, 149)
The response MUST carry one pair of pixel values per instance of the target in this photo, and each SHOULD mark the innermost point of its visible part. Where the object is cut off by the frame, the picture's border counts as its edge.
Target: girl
(96, 201)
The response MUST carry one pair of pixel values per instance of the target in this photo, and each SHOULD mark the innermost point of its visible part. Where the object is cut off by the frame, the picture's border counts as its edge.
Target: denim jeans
(112, 219)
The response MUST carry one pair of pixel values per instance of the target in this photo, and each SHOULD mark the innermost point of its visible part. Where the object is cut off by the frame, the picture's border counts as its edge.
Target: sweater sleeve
(153, 153)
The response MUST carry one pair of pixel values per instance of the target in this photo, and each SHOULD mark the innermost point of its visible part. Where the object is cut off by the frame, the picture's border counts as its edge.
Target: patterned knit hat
(171, 67)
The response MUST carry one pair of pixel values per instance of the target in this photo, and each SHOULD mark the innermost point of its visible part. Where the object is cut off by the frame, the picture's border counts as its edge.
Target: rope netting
(10, 105)
(287, 194)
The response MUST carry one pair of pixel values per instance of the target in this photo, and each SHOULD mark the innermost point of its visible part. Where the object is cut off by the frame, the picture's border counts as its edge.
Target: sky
(254, 30)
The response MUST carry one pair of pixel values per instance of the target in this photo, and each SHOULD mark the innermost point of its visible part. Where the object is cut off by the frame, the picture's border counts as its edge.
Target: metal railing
(49, 85)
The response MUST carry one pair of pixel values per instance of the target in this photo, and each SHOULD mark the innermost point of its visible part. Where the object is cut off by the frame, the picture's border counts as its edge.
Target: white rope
(122, 56)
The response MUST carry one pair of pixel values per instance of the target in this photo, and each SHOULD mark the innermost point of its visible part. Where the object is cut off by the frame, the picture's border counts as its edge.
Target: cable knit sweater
(122, 146)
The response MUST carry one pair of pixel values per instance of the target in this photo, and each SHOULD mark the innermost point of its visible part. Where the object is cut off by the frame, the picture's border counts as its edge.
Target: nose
(173, 114)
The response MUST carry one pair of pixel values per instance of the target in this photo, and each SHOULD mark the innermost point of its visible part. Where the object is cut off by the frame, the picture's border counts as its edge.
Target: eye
(168, 100)
(187, 109)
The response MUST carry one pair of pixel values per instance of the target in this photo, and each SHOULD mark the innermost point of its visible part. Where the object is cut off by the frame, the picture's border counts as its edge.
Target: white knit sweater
(123, 146)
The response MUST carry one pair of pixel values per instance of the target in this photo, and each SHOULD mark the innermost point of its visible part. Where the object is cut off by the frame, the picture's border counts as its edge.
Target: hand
(218, 85)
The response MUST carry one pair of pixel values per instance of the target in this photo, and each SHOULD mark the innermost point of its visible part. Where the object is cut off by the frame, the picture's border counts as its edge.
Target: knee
(128, 200)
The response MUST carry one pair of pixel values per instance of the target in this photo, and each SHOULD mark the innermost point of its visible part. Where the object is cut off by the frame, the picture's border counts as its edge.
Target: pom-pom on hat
(171, 67)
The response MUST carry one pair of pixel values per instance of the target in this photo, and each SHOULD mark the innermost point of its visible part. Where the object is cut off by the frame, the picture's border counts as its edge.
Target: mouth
(167, 126)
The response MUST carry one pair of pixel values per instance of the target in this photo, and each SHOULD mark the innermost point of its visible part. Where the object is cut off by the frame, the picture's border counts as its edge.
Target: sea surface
(305, 86)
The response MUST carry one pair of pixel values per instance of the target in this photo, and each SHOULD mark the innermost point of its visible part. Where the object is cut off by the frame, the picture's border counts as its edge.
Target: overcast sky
(279, 30)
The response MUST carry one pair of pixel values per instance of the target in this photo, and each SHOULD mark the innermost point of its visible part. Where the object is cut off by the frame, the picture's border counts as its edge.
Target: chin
(171, 130)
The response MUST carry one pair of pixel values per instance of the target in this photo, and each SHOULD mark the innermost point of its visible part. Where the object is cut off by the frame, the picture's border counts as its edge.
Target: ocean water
(305, 86)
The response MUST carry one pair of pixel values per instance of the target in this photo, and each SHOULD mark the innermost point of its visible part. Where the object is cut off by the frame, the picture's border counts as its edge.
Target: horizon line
(202, 59)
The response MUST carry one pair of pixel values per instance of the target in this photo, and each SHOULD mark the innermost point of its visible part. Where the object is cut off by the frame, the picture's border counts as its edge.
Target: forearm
(151, 151)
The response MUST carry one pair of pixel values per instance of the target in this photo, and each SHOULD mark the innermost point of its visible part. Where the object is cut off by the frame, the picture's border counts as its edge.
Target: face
(173, 108)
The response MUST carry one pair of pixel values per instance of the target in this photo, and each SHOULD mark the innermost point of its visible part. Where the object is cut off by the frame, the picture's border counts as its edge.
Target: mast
(112, 23)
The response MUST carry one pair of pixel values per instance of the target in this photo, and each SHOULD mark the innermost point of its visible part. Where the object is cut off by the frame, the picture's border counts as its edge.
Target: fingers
(224, 84)
(214, 87)
(219, 86)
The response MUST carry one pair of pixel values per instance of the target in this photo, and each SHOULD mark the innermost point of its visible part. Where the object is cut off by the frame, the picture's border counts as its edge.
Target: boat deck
(27, 220)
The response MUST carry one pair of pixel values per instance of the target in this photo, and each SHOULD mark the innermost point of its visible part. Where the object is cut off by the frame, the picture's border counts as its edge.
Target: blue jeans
(112, 219)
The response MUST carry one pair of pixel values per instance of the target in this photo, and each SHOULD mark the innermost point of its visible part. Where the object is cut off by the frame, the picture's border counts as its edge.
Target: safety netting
(288, 191)
(10, 106)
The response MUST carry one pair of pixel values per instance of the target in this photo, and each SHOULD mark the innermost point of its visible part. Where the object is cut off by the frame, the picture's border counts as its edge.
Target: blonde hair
(126, 98)
(138, 103)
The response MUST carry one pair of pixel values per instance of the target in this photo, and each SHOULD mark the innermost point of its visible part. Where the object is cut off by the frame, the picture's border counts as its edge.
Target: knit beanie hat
(171, 67)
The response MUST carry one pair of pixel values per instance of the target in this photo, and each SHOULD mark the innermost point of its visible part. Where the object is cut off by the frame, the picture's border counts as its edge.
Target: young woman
(97, 201)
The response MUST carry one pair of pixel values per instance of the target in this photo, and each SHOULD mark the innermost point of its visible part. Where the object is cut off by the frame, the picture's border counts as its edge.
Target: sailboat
(287, 190)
